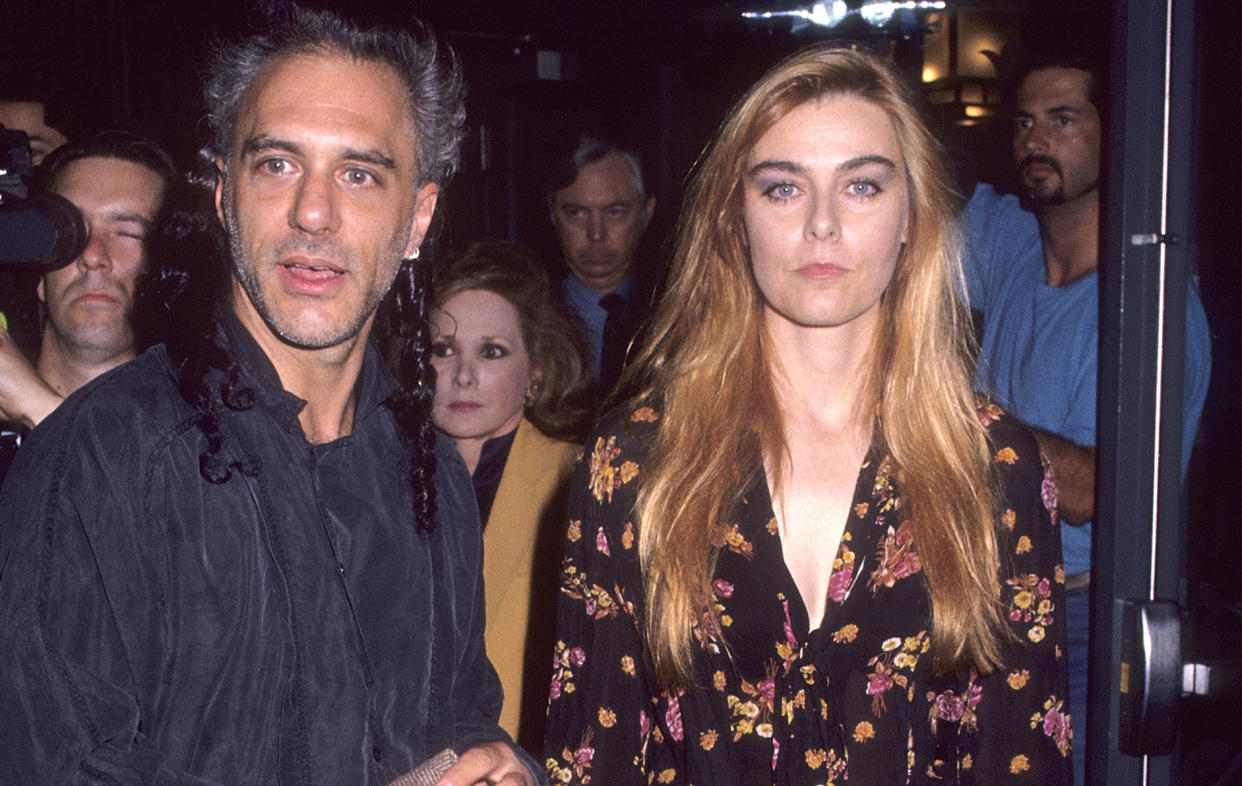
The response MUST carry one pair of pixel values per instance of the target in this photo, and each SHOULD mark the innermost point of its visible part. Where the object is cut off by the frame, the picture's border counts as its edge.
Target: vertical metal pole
(1142, 335)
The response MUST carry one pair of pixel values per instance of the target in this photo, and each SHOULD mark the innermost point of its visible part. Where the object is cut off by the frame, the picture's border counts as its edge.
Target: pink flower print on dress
(672, 718)
(1048, 491)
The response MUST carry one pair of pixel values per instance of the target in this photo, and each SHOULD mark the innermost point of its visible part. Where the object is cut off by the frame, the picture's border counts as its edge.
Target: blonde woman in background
(511, 385)
(803, 551)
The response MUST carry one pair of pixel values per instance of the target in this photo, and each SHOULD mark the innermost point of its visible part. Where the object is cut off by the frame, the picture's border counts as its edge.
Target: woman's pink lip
(821, 270)
(464, 406)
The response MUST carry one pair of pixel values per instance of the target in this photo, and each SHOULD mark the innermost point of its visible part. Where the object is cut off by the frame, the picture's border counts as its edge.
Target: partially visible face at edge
(1056, 141)
(88, 303)
(826, 209)
(28, 116)
(483, 366)
(320, 199)
(600, 219)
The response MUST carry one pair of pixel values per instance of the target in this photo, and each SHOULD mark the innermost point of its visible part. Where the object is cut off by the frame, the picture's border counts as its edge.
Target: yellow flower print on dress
(644, 415)
(604, 477)
(1031, 604)
(846, 634)
(731, 538)
(707, 739)
(1006, 455)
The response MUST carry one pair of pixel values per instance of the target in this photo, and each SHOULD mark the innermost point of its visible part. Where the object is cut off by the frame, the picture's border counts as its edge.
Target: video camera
(44, 232)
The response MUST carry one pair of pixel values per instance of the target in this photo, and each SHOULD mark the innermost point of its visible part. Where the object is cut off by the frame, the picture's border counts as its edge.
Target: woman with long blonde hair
(803, 551)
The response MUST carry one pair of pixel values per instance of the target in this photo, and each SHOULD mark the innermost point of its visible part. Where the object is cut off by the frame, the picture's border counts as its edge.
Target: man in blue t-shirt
(1033, 276)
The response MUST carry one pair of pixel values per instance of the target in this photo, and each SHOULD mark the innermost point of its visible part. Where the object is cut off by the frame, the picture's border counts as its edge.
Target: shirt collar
(582, 296)
(375, 382)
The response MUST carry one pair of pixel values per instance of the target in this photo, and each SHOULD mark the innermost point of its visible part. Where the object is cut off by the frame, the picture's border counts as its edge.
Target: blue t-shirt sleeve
(994, 228)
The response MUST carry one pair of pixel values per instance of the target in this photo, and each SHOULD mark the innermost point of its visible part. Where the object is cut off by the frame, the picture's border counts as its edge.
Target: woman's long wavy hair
(560, 401)
(708, 344)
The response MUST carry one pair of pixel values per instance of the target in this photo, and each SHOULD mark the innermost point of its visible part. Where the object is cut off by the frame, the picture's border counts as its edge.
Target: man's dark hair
(1081, 44)
(429, 70)
(588, 147)
(435, 96)
(114, 143)
(1094, 65)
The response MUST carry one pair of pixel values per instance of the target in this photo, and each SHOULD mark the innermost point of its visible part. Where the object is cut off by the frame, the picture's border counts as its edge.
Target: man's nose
(95, 256)
(1035, 138)
(314, 205)
(596, 230)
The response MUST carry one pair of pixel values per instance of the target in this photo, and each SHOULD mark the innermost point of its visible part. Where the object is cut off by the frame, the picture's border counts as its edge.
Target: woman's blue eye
(781, 192)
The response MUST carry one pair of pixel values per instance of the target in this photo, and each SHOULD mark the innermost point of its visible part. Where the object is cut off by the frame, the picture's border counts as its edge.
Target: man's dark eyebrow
(373, 157)
(130, 217)
(263, 143)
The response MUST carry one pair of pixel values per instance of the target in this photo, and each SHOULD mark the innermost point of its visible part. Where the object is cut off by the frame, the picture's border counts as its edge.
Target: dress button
(377, 754)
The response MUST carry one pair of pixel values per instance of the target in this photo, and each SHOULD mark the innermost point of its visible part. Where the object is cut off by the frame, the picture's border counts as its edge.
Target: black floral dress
(854, 698)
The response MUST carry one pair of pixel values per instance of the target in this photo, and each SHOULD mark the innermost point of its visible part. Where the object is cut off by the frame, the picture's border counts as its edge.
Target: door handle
(1150, 682)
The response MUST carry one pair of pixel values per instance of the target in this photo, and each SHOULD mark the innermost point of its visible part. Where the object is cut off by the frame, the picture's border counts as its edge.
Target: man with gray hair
(600, 207)
(244, 557)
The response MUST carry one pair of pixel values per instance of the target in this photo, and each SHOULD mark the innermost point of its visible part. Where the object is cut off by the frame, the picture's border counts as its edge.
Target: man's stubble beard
(246, 274)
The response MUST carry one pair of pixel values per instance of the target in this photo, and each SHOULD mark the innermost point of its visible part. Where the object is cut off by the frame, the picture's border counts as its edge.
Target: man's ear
(424, 209)
(649, 209)
(220, 189)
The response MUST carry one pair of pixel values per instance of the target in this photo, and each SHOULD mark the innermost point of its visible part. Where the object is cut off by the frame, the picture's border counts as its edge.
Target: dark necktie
(616, 341)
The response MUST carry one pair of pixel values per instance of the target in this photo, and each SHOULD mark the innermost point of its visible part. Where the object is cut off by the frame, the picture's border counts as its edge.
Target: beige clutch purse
(430, 771)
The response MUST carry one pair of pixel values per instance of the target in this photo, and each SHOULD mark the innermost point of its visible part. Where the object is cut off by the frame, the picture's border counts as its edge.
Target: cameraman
(118, 180)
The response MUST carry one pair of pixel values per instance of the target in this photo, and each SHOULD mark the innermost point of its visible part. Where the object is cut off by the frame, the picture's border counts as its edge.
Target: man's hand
(492, 763)
(24, 397)
(1074, 468)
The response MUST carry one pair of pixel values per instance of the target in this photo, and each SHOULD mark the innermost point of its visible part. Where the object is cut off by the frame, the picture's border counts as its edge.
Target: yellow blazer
(521, 576)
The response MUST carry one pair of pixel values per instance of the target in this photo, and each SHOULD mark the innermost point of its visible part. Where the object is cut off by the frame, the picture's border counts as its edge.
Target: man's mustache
(106, 287)
(1040, 158)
